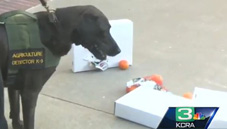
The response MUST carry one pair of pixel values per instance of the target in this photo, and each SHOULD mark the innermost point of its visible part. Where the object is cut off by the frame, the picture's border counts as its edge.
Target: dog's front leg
(3, 123)
(14, 100)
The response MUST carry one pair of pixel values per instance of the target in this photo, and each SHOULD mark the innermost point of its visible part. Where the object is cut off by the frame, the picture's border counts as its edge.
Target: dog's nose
(115, 51)
(118, 51)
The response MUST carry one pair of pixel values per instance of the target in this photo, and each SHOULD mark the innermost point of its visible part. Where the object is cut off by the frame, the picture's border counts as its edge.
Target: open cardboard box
(147, 106)
(122, 32)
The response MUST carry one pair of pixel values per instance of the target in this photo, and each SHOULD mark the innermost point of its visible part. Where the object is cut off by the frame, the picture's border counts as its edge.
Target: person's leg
(3, 123)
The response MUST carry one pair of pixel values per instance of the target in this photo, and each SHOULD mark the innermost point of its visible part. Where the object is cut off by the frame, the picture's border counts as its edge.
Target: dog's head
(93, 33)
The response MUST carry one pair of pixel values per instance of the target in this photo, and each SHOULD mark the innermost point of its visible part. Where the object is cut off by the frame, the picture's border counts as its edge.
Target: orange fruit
(156, 78)
(131, 88)
(123, 64)
(188, 95)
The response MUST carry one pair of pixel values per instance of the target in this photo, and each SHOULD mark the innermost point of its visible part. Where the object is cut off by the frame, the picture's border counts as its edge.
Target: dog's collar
(53, 18)
(51, 14)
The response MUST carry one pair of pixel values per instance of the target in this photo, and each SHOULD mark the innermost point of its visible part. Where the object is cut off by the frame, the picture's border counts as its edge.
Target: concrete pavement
(184, 41)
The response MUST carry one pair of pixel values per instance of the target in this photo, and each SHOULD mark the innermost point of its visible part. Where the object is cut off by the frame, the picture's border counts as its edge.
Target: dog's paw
(18, 125)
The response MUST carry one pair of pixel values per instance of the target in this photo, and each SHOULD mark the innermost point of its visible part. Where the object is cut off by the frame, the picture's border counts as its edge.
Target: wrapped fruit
(156, 81)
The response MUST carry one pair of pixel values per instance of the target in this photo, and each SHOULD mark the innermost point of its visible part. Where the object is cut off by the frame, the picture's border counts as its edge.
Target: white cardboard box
(147, 106)
(122, 32)
(210, 98)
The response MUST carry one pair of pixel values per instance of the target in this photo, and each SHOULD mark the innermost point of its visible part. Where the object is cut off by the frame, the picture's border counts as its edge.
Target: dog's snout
(114, 51)
(118, 51)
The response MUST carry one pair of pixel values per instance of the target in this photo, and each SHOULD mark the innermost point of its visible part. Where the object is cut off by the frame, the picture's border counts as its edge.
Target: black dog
(82, 25)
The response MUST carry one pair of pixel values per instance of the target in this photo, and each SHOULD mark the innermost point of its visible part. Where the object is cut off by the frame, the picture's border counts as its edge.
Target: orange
(156, 78)
(131, 88)
(188, 95)
(123, 64)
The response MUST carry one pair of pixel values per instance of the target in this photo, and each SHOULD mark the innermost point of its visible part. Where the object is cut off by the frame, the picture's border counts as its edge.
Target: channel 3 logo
(188, 114)
(188, 118)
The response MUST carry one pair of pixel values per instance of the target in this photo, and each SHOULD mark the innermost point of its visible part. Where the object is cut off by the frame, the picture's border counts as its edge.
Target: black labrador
(82, 25)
